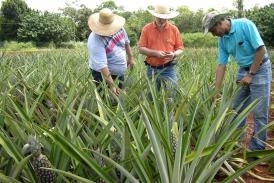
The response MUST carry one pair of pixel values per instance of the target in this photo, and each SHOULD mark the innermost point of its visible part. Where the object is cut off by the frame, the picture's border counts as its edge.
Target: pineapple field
(56, 127)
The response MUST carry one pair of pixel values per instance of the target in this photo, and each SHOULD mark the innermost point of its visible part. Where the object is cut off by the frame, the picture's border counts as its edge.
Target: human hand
(131, 65)
(245, 81)
(160, 54)
(117, 91)
(217, 97)
(169, 56)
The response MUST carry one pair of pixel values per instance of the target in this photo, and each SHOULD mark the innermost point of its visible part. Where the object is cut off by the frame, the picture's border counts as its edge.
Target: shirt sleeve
(178, 40)
(97, 52)
(223, 55)
(143, 38)
(127, 41)
(253, 35)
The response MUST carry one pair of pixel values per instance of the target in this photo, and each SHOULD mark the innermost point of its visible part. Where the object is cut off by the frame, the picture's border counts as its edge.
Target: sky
(130, 5)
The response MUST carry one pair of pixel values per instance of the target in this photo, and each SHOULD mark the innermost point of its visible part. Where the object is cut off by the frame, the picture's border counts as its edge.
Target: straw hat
(162, 11)
(105, 23)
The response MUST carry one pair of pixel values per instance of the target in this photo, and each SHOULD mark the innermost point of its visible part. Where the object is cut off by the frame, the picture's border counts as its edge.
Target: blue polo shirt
(242, 42)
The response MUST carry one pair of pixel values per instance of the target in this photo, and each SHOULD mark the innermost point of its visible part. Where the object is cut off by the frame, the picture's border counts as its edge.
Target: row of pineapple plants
(140, 136)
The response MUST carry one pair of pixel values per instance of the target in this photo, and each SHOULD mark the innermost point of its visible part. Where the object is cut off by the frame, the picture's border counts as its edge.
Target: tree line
(20, 23)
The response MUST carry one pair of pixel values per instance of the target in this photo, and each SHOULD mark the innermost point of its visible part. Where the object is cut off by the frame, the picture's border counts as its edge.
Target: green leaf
(7, 179)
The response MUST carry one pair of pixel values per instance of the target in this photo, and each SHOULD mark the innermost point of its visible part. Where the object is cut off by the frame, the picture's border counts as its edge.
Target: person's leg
(120, 79)
(260, 115)
(97, 77)
(169, 83)
(168, 79)
(260, 89)
(241, 101)
(169, 73)
(152, 74)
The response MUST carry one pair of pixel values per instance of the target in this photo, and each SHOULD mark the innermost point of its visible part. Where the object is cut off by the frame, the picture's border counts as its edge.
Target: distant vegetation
(21, 24)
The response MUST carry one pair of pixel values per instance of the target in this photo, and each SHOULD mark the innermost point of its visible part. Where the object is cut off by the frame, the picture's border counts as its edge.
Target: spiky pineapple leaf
(159, 153)
(7, 179)
(268, 155)
(75, 152)
(20, 166)
(122, 169)
(71, 175)
(11, 149)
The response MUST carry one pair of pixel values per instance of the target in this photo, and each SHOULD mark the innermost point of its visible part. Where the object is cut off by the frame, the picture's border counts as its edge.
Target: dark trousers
(97, 76)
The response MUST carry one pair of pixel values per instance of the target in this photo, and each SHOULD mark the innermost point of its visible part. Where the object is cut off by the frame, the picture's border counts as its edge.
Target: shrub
(16, 46)
(198, 40)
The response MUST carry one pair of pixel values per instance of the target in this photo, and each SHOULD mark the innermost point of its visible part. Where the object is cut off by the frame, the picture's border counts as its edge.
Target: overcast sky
(54, 5)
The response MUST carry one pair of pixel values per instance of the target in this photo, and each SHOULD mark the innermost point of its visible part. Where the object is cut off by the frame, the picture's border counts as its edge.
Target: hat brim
(105, 29)
(164, 16)
(205, 31)
(214, 20)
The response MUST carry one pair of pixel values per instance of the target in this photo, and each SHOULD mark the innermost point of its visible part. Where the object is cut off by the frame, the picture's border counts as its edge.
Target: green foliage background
(38, 27)
(11, 14)
(263, 18)
(19, 23)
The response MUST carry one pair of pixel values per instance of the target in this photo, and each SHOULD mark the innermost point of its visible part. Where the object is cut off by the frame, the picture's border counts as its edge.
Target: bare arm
(254, 67)
(160, 54)
(257, 59)
(151, 52)
(177, 53)
(130, 61)
(107, 75)
(220, 72)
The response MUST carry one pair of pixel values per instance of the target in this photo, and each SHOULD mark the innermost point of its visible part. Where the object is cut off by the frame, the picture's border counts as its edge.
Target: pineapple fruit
(39, 160)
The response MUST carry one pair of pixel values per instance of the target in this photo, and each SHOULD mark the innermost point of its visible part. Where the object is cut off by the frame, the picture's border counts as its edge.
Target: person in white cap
(160, 41)
(241, 39)
(109, 49)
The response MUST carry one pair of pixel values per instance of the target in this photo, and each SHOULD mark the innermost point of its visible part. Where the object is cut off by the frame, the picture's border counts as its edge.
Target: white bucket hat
(162, 11)
(105, 23)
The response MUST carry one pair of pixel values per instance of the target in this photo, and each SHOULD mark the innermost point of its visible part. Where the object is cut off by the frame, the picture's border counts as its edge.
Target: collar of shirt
(232, 28)
(165, 27)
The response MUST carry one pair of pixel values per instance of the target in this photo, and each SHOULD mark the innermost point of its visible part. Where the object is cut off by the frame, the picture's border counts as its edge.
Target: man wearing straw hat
(109, 49)
(241, 39)
(161, 43)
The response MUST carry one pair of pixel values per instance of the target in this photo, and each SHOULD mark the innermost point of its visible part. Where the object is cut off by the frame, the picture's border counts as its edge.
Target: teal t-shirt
(242, 42)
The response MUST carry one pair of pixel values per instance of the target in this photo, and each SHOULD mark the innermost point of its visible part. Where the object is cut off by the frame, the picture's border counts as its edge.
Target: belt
(263, 61)
(173, 62)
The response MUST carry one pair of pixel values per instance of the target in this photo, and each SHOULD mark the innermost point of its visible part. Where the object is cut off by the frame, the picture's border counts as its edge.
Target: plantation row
(87, 138)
